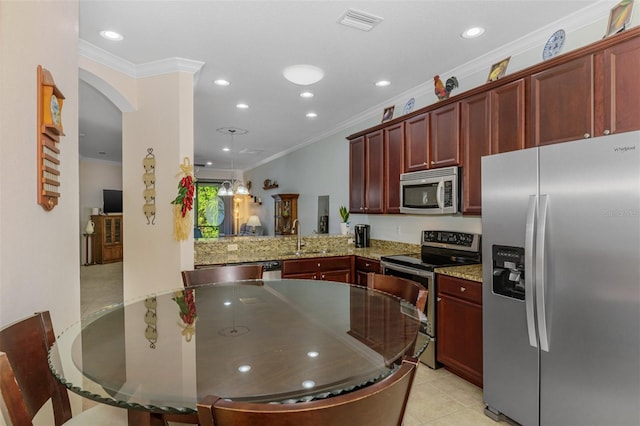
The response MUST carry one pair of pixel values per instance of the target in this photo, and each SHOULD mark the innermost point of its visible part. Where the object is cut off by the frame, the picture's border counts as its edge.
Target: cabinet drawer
(462, 289)
(367, 265)
(296, 266)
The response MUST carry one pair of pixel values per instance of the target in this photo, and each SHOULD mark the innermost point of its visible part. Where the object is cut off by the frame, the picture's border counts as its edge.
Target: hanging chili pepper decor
(183, 203)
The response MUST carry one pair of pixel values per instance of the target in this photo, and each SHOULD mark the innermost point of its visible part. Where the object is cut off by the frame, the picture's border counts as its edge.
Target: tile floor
(438, 397)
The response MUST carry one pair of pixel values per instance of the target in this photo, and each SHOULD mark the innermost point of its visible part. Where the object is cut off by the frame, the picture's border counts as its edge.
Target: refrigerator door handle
(529, 275)
(540, 273)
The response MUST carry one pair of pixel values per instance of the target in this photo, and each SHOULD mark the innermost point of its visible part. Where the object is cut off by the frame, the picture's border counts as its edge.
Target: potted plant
(344, 225)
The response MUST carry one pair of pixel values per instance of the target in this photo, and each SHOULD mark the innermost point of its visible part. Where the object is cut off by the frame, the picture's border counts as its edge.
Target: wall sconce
(253, 222)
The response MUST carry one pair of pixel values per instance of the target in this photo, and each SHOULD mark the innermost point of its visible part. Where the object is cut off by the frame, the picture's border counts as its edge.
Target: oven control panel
(461, 239)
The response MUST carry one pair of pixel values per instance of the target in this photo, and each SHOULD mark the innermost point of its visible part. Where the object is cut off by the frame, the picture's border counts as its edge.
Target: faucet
(294, 227)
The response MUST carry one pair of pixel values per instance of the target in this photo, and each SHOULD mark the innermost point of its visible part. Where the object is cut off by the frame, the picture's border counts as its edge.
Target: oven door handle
(406, 270)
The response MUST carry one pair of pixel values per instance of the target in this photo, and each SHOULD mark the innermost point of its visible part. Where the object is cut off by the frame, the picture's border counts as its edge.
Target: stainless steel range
(439, 249)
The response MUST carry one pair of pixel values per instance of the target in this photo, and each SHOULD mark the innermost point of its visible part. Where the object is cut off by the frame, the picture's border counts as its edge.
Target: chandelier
(232, 186)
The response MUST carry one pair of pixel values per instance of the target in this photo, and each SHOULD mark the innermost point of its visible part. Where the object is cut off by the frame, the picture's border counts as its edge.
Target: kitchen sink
(305, 252)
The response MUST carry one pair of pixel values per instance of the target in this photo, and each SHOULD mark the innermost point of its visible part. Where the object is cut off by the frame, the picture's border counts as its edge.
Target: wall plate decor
(149, 193)
(498, 70)
(408, 107)
(554, 45)
(388, 113)
(49, 116)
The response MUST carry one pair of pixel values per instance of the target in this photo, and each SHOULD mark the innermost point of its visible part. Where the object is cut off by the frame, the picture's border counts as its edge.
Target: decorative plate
(408, 107)
(553, 45)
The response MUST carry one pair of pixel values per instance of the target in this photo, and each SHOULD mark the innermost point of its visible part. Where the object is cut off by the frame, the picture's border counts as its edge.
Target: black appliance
(362, 234)
(439, 249)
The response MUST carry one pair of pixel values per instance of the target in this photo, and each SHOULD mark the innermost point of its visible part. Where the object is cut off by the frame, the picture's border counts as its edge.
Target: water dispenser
(508, 271)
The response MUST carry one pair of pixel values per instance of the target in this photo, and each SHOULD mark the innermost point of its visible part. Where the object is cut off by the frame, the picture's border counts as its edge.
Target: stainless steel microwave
(433, 191)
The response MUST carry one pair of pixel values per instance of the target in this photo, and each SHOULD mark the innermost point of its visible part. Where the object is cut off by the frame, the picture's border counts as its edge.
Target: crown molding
(148, 69)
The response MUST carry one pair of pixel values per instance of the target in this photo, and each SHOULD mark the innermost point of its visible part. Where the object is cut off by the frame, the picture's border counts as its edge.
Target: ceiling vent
(361, 20)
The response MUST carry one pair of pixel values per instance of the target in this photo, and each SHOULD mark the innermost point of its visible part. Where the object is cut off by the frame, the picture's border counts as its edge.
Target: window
(212, 213)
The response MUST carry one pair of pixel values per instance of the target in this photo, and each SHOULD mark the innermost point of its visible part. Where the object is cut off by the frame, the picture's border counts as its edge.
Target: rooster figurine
(443, 91)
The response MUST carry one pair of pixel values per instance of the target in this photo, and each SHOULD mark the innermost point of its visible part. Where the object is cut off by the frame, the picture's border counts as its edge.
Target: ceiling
(249, 43)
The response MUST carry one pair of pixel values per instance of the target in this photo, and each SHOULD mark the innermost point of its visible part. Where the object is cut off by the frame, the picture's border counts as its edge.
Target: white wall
(322, 167)
(95, 175)
(39, 251)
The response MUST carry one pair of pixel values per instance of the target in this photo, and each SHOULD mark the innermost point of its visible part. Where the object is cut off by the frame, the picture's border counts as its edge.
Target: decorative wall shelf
(49, 115)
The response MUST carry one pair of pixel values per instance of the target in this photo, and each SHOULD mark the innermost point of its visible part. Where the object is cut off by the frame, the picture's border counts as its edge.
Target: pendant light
(232, 186)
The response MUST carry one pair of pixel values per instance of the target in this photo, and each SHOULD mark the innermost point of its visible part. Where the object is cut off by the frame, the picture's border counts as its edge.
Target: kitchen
(301, 168)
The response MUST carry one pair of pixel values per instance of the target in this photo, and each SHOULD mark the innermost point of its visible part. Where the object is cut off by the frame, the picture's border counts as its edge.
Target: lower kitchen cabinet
(460, 327)
(363, 266)
(337, 268)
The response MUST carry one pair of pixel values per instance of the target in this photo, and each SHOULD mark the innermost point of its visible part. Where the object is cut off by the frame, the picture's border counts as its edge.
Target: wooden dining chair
(406, 289)
(217, 274)
(26, 382)
(380, 404)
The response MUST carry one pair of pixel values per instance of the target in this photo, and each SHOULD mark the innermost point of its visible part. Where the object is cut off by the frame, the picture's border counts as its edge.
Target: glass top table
(261, 341)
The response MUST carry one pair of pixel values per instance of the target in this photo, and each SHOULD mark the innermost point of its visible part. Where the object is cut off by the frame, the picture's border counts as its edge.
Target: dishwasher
(272, 269)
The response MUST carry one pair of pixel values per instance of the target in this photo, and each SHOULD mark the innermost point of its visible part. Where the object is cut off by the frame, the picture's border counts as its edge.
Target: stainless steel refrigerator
(561, 290)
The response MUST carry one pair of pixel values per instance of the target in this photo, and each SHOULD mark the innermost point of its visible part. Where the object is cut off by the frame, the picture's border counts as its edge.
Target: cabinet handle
(587, 135)
(438, 299)
(318, 265)
(433, 162)
(322, 277)
(607, 132)
(462, 289)
(424, 164)
(366, 265)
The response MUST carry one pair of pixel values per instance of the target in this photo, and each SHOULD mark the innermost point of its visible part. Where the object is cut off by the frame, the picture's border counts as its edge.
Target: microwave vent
(433, 173)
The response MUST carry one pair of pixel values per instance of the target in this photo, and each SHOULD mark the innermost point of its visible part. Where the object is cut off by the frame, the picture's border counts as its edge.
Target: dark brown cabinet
(363, 266)
(337, 268)
(460, 327)
(107, 239)
(621, 89)
(285, 212)
(444, 143)
(416, 143)
(562, 102)
(492, 122)
(366, 173)
(393, 166)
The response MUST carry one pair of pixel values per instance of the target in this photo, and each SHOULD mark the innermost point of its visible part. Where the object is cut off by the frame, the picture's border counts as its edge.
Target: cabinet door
(416, 143)
(363, 267)
(562, 106)
(460, 337)
(374, 166)
(508, 116)
(622, 88)
(444, 142)
(342, 276)
(393, 166)
(476, 142)
(356, 175)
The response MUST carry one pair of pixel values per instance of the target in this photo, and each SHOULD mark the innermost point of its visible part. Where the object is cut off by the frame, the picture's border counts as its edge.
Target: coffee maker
(362, 233)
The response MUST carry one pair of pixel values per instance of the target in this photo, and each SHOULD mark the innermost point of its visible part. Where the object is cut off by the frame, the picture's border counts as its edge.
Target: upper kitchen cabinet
(621, 88)
(393, 166)
(416, 143)
(444, 143)
(562, 102)
(492, 122)
(366, 173)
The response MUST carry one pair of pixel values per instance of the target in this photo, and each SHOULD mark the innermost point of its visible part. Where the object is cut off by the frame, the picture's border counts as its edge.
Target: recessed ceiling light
(209, 163)
(303, 74)
(306, 95)
(244, 368)
(383, 83)
(225, 149)
(111, 35)
(473, 32)
(242, 106)
(221, 82)
(311, 115)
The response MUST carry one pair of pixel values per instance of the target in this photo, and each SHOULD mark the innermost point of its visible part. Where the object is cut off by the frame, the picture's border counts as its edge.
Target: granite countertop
(257, 249)
(466, 272)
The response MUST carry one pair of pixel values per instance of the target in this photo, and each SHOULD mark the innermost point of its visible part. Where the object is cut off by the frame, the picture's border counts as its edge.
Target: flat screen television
(112, 201)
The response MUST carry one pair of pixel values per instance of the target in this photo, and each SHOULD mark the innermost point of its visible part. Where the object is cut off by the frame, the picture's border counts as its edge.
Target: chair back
(380, 404)
(217, 274)
(406, 289)
(26, 381)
